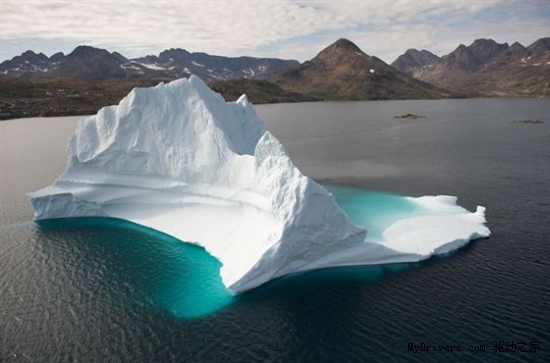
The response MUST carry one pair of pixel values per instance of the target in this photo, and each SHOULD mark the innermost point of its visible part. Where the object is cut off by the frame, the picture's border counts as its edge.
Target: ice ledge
(53, 204)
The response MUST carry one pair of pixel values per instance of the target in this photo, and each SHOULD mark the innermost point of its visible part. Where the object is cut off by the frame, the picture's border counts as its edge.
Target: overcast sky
(284, 28)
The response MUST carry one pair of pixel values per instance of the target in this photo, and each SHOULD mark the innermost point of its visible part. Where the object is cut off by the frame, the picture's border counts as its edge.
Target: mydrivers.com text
(498, 346)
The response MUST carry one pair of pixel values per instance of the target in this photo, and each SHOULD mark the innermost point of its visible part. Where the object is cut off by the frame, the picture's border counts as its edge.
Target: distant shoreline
(33, 114)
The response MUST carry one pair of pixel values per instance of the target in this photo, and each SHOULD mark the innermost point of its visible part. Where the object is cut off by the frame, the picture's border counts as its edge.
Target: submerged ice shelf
(179, 159)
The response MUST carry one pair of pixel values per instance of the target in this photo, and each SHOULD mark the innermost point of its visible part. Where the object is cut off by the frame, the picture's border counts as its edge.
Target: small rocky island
(409, 116)
(530, 121)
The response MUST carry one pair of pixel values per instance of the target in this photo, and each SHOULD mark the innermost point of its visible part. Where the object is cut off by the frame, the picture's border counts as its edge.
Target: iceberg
(179, 159)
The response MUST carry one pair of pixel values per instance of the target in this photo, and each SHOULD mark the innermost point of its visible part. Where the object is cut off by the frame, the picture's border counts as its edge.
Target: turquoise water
(372, 210)
(180, 278)
(184, 279)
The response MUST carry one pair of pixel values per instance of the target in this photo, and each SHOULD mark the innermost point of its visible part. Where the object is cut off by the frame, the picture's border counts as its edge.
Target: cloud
(284, 28)
(223, 26)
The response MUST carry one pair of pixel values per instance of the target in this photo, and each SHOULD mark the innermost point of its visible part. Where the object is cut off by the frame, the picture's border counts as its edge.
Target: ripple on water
(144, 264)
(129, 262)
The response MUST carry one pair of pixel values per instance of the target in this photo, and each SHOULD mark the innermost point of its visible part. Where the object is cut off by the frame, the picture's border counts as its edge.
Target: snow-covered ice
(179, 159)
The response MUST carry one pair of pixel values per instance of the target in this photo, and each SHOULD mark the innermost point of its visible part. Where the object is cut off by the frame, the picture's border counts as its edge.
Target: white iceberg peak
(181, 160)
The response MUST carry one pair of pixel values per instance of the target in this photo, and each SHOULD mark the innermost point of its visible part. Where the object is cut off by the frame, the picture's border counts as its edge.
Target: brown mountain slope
(487, 68)
(257, 91)
(342, 71)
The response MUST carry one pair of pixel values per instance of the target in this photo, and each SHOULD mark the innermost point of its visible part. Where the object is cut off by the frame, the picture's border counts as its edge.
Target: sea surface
(104, 290)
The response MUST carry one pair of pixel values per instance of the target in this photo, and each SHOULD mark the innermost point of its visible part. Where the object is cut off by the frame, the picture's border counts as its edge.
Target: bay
(103, 290)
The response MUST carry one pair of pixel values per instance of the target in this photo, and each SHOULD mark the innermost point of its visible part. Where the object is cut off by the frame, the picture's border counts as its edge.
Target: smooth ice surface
(179, 159)
(425, 226)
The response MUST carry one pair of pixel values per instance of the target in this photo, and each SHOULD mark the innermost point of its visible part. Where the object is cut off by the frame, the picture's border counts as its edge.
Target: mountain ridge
(89, 78)
(343, 71)
(87, 62)
(487, 68)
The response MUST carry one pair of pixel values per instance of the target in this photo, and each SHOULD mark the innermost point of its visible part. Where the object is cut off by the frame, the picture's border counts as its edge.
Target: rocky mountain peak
(342, 52)
(484, 49)
(29, 54)
(174, 54)
(119, 57)
(343, 71)
(57, 57)
(487, 67)
(86, 52)
(517, 45)
(460, 58)
(539, 47)
(414, 59)
(344, 44)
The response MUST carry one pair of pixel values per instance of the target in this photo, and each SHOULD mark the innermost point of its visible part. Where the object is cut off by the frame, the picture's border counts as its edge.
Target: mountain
(343, 71)
(488, 68)
(485, 49)
(258, 90)
(120, 57)
(86, 62)
(178, 62)
(516, 53)
(29, 64)
(89, 62)
(88, 78)
(413, 59)
(540, 47)
(461, 59)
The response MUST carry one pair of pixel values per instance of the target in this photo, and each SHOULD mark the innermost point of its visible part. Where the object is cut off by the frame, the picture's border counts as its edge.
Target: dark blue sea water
(103, 290)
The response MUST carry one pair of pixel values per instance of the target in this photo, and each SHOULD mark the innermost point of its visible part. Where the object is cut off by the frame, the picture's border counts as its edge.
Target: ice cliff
(179, 159)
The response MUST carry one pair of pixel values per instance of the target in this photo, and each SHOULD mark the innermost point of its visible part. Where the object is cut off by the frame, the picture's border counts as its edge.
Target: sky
(289, 29)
